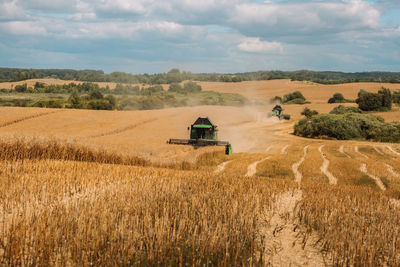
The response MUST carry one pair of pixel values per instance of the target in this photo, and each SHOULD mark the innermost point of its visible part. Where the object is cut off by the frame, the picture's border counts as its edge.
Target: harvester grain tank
(203, 133)
(277, 111)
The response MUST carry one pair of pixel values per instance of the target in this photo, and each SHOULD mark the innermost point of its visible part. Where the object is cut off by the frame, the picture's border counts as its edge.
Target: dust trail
(124, 129)
(377, 180)
(377, 151)
(393, 151)
(357, 151)
(252, 168)
(221, 167)
(295, 167)
(324, 168)
(281, 238)
(283, 151)
(28, 118)
(341, 150)
(392, 171)
(269, 148)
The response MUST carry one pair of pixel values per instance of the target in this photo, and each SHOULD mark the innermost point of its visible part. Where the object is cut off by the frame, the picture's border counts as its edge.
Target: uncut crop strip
(393, 151)
(341, 150)
(124, 129)
(5, 124)
(358, 152)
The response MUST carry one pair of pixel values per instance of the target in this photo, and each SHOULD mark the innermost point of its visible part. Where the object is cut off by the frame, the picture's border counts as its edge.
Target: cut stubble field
(81, 187)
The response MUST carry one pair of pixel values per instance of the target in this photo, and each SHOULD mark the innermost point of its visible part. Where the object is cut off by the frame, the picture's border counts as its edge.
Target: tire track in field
(269, 148)
(252, 168)
(324, 168)
(377, 180)
(283, 151)
(281, 238)
(5, 124)
(358, 152)
(295, 167)
(377, 151)
(391, 170)
(221, 167)
(341, 150)
(124, 129)
(392, 150)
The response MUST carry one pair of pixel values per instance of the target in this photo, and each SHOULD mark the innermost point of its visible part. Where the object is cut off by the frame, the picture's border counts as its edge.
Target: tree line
(177, 76)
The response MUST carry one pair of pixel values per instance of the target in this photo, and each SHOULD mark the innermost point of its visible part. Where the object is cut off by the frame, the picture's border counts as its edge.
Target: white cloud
(255, 45)
(22, 28)
(9, 10)
(264, 19)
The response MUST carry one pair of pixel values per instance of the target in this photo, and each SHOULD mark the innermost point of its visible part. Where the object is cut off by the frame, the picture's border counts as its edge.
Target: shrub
(343, 110)
(192, 87)
(348, 126)
(100, 104)
(396, 97)
(176, 88)
(309, 113)
(293, 96)
(21, 88)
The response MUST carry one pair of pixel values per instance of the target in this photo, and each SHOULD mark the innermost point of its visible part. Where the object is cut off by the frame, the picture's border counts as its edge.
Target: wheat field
(81, 187)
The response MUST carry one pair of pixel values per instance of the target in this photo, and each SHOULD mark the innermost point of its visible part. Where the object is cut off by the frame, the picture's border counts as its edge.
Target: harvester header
(203, 133)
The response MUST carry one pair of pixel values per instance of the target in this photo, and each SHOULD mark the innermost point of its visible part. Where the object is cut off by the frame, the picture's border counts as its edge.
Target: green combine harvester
(203, 133)
(277, 111)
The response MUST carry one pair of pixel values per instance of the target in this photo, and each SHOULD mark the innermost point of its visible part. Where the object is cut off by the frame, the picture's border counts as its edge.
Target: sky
(201, 36)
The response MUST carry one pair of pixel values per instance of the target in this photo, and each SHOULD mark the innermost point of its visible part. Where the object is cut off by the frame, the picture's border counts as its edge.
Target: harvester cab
(277, 111)
(203, 133)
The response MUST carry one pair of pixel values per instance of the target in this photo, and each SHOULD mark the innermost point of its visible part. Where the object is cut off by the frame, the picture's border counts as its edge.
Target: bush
(382, 101)
(100, 104)
(348, 126)
(21, 88)
(296, 96)
(343, 110)
(192, 87)
(176, 88)
(309, 113)
(396, 97)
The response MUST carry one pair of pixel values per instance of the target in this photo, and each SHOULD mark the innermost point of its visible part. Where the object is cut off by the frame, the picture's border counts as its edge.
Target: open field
(84, 187)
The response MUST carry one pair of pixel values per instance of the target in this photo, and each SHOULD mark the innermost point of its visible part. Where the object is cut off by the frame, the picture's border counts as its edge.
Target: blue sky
(149, 36)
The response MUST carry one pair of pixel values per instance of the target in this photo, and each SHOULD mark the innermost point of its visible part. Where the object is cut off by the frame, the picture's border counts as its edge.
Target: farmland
(85, 187)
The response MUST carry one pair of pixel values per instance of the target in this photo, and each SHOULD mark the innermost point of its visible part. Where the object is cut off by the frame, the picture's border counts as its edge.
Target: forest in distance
(175, 75)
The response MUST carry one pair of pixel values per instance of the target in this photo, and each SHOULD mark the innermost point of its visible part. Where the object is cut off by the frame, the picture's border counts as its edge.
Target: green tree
(369, 101)
(175, 87)
(191, 87)
(386, 98)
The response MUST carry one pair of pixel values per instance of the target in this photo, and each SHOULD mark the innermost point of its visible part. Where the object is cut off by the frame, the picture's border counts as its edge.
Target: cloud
(265, 19)
(207, 35)
(255, 45)
(9, 10)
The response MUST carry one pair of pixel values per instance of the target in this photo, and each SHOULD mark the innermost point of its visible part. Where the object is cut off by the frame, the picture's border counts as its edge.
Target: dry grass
(62, 212)
(110, 191)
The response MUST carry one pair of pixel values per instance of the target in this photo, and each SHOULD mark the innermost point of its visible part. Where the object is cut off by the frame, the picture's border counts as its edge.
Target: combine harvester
(277, 111)
(203, 133)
